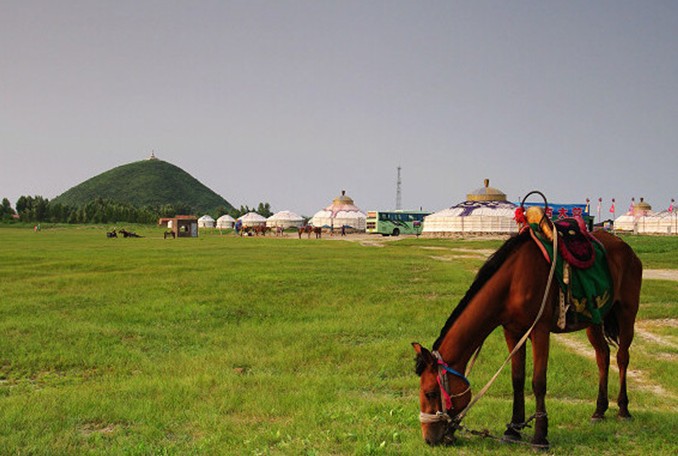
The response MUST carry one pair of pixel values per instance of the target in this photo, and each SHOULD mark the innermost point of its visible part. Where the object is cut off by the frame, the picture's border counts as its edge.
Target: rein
(443, 368)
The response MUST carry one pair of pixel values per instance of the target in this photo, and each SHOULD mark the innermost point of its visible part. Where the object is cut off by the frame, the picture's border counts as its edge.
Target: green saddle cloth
(589, 290)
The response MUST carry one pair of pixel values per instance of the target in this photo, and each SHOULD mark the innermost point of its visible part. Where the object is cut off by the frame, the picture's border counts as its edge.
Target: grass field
(227, 345)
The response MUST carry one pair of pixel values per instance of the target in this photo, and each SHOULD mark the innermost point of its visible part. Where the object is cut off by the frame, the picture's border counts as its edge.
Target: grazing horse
(508, 291)
(111, 234)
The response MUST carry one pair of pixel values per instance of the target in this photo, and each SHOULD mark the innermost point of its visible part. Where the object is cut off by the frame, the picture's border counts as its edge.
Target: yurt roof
(286, 215)
(205, 218)
(344, 203)
(485, 208)
(225, 218)
(642, 205)
(340, 214)
(486, 193)
(252, 217)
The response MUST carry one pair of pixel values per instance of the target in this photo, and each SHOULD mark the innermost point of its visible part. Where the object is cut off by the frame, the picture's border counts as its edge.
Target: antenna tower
(399, 200)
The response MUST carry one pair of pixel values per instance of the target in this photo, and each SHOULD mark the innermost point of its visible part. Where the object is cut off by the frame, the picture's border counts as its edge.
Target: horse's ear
(423, 360)
(423, 353)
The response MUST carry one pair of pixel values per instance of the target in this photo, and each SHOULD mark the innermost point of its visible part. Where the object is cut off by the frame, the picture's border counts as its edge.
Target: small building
(341, 213)
(252, 219)
(181, 225)
(641, 219)
(485, 211)
(285, 219)
(225, 222)
(206, 221)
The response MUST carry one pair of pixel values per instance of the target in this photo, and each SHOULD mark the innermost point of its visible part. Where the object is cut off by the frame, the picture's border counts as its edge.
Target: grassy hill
(145, 183)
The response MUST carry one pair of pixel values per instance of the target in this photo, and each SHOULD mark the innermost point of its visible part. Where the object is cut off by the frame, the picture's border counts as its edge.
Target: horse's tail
(611, 328)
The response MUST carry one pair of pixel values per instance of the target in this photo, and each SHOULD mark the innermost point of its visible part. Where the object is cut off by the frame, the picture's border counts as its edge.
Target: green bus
(394, 223)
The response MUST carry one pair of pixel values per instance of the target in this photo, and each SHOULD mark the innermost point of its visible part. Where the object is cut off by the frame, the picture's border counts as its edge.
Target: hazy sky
(291, 102)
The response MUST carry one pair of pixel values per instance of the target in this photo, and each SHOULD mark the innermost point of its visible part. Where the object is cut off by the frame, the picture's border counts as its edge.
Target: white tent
(642, 220)
(342, 212)
(285, 219)
(205, 222)
(252, 219)
(473, 217)
(225, 222)
(485, 211)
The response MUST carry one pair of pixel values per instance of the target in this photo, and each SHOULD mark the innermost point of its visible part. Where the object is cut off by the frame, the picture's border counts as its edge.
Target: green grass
(227, 345)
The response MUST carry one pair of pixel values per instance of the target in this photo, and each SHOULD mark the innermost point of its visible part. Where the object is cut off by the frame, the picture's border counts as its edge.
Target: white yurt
(285, 219)
(641, 219)
(225, 222)
(342, 212)
(485, 211)
(252, 219)
(205, 222)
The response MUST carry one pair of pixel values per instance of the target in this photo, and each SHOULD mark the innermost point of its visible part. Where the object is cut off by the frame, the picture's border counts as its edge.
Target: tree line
(37, 209)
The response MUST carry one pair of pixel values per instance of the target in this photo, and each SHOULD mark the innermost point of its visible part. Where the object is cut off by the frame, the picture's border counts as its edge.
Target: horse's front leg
(597, 339)
(518, 378)
(540, 354)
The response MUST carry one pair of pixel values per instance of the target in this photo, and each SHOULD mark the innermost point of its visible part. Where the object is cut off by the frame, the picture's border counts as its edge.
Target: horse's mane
(486, 272)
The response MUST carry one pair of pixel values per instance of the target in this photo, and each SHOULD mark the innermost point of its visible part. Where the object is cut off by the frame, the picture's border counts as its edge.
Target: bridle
(445, 397)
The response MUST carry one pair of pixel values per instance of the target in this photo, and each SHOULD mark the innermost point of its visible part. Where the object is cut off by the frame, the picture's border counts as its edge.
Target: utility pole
(399, 200)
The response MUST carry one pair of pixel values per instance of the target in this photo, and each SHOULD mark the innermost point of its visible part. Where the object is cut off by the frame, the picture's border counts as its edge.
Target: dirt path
(661, 274)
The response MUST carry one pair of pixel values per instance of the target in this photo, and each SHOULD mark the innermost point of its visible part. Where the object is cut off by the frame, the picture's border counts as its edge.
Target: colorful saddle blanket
(587, 285)
(575, 243)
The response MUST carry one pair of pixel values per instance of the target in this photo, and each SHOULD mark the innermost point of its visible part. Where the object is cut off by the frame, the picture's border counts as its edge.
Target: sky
(291, 102)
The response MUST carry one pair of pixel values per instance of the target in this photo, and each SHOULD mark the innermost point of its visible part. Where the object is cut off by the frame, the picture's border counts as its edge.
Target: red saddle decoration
(575, 242)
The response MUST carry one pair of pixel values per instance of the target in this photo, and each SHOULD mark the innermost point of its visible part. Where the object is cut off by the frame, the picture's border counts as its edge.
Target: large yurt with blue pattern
(485, 211)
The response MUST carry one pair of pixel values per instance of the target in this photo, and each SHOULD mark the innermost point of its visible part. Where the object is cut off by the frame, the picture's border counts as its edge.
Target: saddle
(575, 243)
(581, 267)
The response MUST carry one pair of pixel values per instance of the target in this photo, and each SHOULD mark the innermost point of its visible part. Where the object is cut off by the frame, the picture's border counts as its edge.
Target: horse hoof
(540, 444)
(597, 418)
(624, 417)
(511, 436)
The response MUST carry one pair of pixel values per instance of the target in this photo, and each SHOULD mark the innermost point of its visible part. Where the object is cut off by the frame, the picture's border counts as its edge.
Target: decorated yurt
(285, 219)
(342, 212)
(205, 222)
(485, 210)
(641, 219)
(252, 219)
(225, 222)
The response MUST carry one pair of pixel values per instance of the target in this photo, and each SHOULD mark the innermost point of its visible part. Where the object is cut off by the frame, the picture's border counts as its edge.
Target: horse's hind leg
(625, 339)
(518, 378)
(540, 354)
(597, 339)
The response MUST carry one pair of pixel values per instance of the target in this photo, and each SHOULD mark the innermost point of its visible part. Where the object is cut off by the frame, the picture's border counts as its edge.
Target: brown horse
(305, 229)
(261, 229)
(508, 292)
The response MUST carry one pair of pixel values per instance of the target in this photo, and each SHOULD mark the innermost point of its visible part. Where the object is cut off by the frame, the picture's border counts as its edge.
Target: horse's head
(443, 394)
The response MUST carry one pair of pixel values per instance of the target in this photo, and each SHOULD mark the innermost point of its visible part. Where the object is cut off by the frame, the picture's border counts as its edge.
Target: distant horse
(169, 233)
(261, 229)
(111, 234)
(127, 234)
(318, 231)
(305, 229)
(508, 291)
